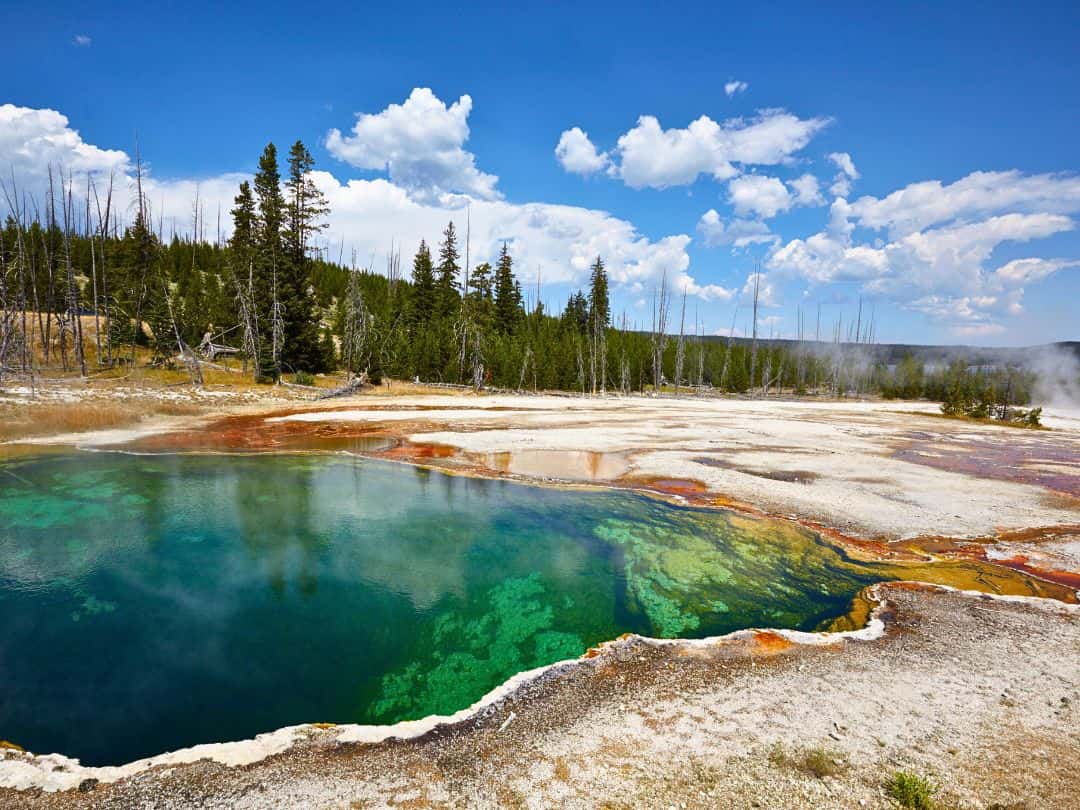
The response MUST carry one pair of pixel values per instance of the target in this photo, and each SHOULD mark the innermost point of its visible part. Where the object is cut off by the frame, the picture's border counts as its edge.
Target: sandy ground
(977, 694)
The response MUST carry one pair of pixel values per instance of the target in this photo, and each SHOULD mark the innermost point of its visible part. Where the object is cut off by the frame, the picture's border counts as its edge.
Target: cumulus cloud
(706, 292)
(419, 143)
(941, 244)
(807, 191)
(768, 291)
(34, 140)
(755, 198)
(738, 233)
(558, 241)
(81, 41)
(921, 205)
(654, 157)
(734, 87)
(757, 195)
(577, 154)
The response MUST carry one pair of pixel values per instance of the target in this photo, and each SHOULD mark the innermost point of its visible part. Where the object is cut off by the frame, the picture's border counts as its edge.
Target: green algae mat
(154, 602)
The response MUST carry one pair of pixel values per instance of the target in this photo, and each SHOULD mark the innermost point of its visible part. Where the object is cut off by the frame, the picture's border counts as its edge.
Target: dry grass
(89, 342)
(816, 762)
(406, 388)
(44, 419)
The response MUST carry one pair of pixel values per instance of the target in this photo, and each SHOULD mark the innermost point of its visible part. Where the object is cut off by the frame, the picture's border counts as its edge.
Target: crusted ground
(876, 469)
(977, 694)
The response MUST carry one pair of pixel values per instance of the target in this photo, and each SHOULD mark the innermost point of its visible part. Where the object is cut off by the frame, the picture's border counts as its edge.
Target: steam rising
(1057, 369)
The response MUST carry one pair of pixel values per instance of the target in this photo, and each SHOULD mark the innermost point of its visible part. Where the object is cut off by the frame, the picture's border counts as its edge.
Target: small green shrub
(303, 378)
(910, 790)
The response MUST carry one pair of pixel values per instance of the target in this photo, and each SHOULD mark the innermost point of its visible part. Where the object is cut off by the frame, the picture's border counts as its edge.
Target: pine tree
(422, 305)
(141, 296)
(480, 282)
(448, 269)
(507, 294)
(269, 264)
(249, 283)
(576, 314)
(599, 309)
(306, 207)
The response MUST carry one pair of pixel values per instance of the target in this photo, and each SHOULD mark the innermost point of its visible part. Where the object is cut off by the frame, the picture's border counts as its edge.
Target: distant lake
(150, 603)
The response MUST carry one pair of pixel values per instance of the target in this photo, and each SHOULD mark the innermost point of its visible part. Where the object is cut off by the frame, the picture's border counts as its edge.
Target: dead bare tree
(103, 218)
(659, 331)
(727, 350)
(74, 319)
(356, 340)
(700, 329)
(245, 303)
(624, 362)
(191, 359)
(9, 334)
(477, 362)
(277, 322)
(464, 324)
(754, 327)
(16, 210)
(580, 367)
(680, 351)
(525, 362)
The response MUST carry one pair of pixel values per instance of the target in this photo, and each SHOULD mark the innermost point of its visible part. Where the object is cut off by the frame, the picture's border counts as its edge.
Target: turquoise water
(154, 602)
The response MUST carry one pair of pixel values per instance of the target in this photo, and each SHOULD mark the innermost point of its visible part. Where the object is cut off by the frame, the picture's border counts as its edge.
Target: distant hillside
(934, 355)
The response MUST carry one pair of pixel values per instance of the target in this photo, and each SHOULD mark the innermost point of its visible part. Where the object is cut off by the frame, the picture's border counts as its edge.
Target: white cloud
(1024, 271)
(848, 174)
(807, 191)
(921, 205)
(34, 140)
(767, 289)
(968, 316)
(734, 87)
(419, 143)
(559, 241)
(577, 154)
(952, 258)
(81, 41)
(738, 232)
(754, 199)
(755, 194)
(844, 162)
(650, 156)
(170, 201)
(941, 241)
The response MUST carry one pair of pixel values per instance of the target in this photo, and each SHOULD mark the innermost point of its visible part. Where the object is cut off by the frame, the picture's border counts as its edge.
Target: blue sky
(909, 96)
